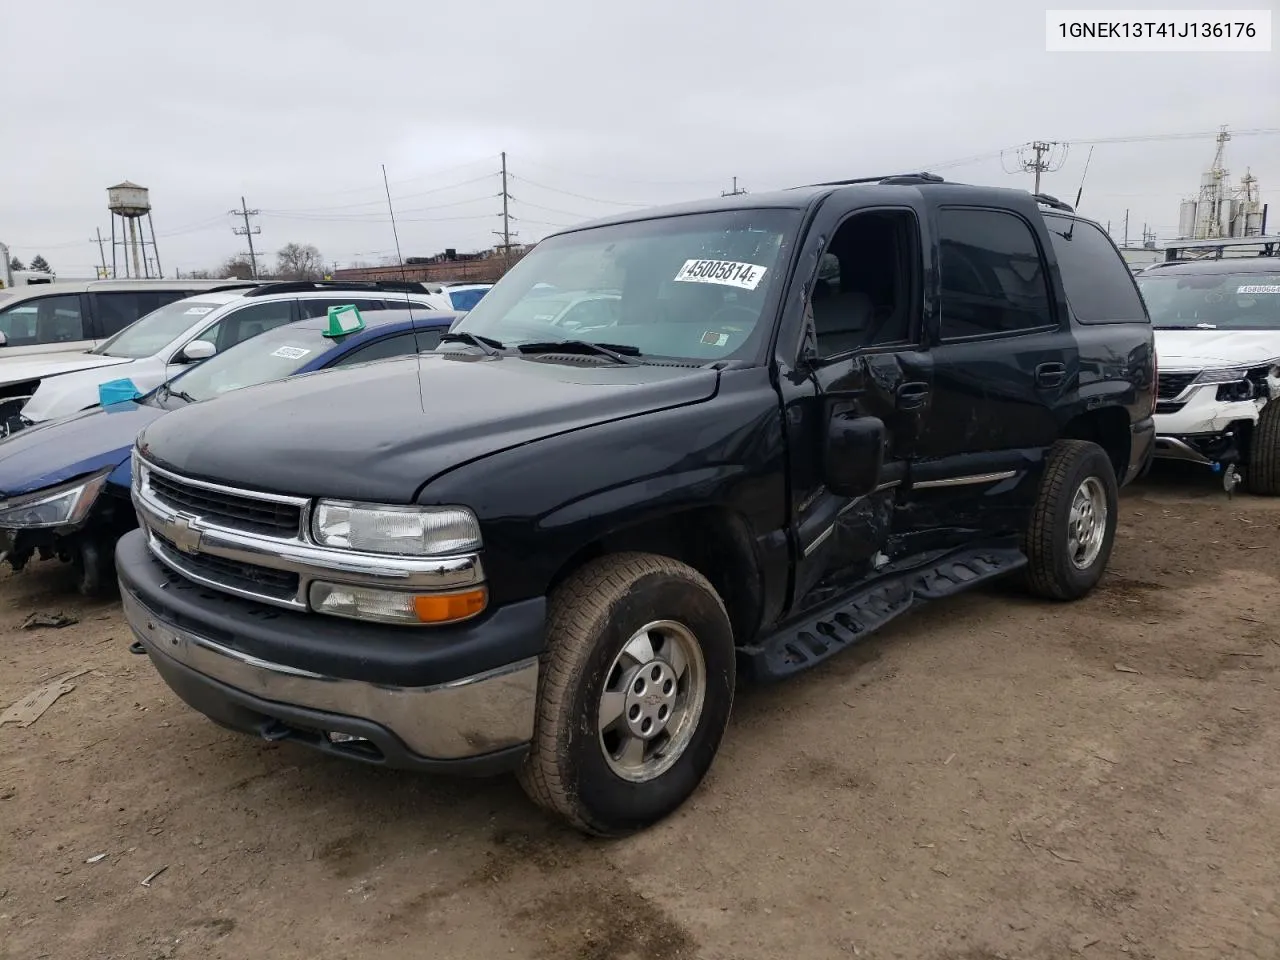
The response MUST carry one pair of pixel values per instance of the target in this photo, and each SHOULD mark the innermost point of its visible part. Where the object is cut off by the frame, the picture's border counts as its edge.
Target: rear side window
(320, 308)
(116, 309)
(992, 275)
(1098, 283)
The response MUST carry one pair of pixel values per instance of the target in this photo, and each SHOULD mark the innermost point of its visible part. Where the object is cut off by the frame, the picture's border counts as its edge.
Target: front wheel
(1262, 475)
(635, 690)
(1073, 522)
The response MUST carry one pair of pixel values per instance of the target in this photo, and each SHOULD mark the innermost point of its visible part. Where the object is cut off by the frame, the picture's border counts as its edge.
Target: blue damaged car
(64, 484)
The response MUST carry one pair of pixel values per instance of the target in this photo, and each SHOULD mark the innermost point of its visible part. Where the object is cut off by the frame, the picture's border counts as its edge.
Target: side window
(116, 309)
(249, 322)
(993, 278)
(863, 293)
(399, 345)
(44, 320)
(1098, 282)
(18, 324)
(320, 308)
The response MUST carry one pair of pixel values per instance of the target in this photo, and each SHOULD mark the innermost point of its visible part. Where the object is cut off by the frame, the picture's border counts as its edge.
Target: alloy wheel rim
(652, 700)
(1087, 525)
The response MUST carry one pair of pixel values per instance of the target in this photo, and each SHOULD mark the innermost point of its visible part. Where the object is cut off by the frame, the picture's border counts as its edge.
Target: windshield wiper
(617, 352)
(168, 391)
(487, 344)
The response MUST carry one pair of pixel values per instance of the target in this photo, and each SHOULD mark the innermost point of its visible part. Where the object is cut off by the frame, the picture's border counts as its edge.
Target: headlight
(1220, 375)
(407, 531)
(54, 507)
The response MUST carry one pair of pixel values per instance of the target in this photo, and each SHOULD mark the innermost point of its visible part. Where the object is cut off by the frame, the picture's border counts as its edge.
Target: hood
(61, 450)
(18, 370)
(380, 431)
(69, 393)
(1198, 349)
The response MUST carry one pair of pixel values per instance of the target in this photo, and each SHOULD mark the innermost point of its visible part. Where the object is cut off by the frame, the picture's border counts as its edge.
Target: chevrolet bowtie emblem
(183, 535)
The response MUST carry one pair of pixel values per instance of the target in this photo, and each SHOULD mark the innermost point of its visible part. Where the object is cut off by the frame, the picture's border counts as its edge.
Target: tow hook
(1230, 477)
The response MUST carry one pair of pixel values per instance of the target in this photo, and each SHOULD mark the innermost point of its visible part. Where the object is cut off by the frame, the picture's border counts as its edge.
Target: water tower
(129, 203)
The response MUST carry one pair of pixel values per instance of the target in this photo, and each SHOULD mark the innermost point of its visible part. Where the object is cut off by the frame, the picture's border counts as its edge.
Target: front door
(863, 308)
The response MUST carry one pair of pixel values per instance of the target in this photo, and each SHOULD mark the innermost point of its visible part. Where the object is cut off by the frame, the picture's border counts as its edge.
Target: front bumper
(478, 723)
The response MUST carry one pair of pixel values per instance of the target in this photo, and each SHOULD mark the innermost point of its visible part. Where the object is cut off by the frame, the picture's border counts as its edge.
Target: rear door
(864, 313)
(1003, 359)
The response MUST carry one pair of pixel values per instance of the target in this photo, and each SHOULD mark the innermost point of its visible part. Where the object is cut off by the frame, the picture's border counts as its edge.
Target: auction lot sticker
(729, 273)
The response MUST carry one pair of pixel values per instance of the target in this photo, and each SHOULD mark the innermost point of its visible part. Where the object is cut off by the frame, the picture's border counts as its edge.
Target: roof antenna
(395, 233)
(1080, 193)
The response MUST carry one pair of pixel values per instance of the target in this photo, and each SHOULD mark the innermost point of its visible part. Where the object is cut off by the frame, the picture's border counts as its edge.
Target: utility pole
(1039, 157)
(248, 233)
(734, 192)
(505, 233)
(102, 254)
(1126, 226)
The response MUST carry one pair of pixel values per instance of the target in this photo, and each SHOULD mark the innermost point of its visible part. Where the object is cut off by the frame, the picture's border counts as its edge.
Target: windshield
(148, 335)
(1213, 301)
(272, 355)
(691, 287)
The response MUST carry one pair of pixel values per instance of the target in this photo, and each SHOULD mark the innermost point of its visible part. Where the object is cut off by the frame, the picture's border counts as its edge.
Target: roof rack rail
(920, 177)
(301, 286)
(909, 178)
(1050, 201)
(230, 285)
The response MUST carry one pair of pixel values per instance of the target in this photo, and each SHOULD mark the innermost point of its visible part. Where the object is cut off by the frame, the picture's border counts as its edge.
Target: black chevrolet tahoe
(666, 450)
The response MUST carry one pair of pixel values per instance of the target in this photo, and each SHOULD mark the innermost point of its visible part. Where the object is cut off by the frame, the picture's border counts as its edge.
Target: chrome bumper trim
(1171, 448)
(965, 481)
(465, 718)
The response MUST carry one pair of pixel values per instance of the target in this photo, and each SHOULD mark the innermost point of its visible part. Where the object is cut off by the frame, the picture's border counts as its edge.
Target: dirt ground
(990, 778)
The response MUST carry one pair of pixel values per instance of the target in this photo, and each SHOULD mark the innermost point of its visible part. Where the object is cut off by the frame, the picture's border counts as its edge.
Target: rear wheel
(635, 690)
(1262, 476)
(1073, 523)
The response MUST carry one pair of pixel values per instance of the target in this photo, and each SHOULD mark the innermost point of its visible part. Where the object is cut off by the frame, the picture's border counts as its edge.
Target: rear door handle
(911, 396)
(1051, 374)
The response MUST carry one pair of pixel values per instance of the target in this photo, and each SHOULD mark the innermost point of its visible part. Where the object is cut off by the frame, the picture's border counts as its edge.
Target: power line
(617, 179)
(1047, 156)
(580, 196)
(369, 203)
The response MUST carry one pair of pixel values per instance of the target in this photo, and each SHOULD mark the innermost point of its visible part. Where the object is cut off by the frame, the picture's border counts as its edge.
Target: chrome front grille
(250, 578)
(256, 545)
(232, 510)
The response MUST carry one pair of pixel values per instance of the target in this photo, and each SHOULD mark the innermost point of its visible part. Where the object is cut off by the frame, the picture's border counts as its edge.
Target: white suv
(1217, 326)
(159, 345)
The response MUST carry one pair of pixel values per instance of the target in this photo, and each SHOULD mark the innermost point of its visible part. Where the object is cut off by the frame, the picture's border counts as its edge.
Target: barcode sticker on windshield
(730, 273)
(1259, 288)
(197, 311)
(290, 353)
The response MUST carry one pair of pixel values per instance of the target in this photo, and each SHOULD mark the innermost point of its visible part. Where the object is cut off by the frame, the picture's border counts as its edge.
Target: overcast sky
(294, 105)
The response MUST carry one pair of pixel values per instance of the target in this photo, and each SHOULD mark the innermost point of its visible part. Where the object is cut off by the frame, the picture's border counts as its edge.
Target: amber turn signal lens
(446, 607)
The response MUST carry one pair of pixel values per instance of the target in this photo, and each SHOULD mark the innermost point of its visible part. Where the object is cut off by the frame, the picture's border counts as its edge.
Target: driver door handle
(912, 396)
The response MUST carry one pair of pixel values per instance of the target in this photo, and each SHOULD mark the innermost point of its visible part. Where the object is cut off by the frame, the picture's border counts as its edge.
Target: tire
(94, 568)
(1057, 569)
(594, 616)
(1262, 475)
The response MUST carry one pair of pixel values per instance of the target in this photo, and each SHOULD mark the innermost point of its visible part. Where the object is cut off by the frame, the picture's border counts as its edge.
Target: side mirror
(853, 453)
(196, 350)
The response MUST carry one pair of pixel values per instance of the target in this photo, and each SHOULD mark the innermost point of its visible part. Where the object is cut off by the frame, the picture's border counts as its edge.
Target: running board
(797, 647)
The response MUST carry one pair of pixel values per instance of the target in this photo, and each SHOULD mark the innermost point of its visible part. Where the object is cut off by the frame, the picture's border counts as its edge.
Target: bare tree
(295, 261)
(237, 268)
